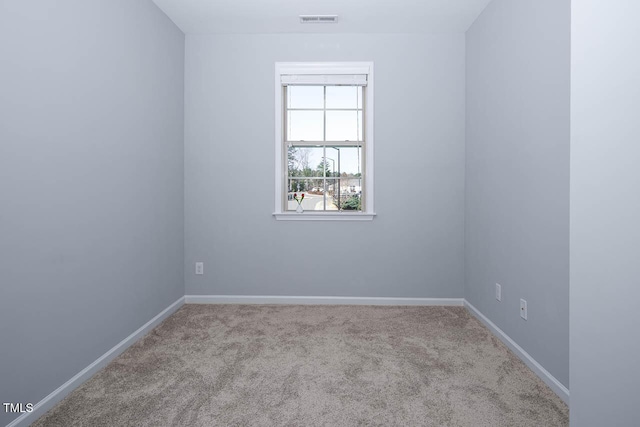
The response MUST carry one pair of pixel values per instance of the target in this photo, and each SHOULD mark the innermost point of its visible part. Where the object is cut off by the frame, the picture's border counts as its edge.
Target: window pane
(344, 126)
(350, 202)
(305, 161)
(305, 97)
(348, 161)
(313, 191)
(347, 199)
(305, 125)
(349, 195)
(305, 185)
(343, 96)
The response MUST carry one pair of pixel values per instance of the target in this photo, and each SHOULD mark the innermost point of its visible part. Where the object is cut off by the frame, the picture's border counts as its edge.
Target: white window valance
(324, 79)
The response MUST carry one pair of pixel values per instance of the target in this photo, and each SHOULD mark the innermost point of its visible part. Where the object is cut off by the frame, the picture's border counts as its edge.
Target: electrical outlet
(498, 292)
(523, 309)
(200, 268)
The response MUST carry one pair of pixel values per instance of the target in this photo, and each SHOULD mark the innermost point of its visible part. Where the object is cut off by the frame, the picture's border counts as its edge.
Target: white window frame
(324, 69)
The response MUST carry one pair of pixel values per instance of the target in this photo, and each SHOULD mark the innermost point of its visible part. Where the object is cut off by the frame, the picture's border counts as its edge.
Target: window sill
(324, 216)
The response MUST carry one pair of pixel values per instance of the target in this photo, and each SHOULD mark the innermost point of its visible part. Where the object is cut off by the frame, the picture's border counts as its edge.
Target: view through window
(325, 144)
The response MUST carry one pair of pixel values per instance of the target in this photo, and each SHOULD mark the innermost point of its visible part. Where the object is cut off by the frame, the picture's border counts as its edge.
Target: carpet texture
(273, 365)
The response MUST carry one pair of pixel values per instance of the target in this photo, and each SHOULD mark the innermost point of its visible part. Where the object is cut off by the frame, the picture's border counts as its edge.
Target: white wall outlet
(200, 268)
(523, 309)
(498, 292)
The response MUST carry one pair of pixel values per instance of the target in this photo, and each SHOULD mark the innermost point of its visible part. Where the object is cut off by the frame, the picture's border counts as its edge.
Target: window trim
(325, 68)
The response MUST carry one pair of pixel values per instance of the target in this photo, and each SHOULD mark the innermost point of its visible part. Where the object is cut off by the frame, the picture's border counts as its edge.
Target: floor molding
(57, 395)
(315, 300)
(537, 368)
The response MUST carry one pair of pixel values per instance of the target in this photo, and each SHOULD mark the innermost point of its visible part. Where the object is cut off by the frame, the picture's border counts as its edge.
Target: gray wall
(517, 173)
(91, 183)
(414, 248)
(605, 213)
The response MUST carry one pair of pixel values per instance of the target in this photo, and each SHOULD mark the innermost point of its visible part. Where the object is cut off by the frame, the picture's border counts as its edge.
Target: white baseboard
(555, 385)
(57, 395)
(266, 299)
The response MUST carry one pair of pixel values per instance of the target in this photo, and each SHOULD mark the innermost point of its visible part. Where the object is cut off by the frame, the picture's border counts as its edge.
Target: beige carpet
(251, 365)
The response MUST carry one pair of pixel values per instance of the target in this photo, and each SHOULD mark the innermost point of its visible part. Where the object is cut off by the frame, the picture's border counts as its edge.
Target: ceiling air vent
(318, 19)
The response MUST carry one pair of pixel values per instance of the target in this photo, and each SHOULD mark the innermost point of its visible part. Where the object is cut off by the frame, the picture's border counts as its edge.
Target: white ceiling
(355, 16)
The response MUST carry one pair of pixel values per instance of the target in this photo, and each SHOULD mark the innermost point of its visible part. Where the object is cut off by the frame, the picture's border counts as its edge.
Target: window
(324, 141)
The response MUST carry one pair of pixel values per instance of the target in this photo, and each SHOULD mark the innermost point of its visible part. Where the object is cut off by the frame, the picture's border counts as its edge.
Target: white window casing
(334, 73)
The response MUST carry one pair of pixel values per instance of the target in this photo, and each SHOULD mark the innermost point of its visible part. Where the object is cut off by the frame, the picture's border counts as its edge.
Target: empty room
(319, 213)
